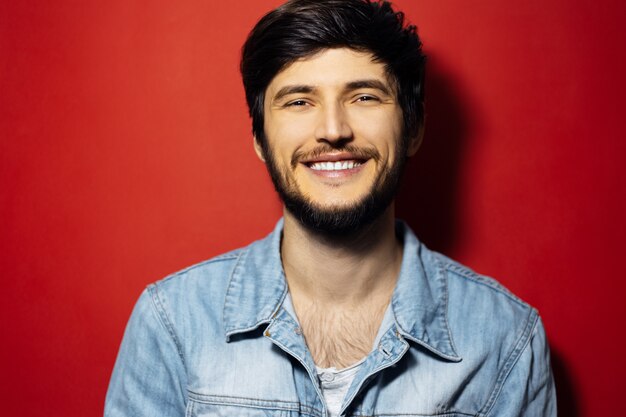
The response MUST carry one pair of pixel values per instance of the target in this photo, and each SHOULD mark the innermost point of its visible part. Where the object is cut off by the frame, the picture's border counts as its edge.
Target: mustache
(356, 152)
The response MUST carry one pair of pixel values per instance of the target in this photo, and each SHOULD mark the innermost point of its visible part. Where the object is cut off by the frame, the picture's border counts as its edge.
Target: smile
(334, 166)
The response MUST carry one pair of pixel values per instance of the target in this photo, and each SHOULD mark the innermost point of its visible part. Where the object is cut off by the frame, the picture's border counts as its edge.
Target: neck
(341, 270)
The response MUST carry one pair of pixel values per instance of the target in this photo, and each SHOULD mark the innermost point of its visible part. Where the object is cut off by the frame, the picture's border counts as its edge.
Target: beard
(337, 220)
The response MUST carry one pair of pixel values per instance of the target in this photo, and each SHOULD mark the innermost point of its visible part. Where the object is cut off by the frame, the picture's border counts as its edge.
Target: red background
(125, 154)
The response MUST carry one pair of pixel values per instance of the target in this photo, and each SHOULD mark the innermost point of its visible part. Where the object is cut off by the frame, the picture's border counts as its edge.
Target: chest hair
(339, 337)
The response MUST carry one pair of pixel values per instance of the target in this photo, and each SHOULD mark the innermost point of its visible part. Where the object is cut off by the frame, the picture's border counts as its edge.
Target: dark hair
(301, 28)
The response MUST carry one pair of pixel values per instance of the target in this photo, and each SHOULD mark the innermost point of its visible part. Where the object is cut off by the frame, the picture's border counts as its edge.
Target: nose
(333, 126)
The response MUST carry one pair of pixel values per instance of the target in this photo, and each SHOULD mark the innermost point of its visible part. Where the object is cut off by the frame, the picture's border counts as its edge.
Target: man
(341, 310)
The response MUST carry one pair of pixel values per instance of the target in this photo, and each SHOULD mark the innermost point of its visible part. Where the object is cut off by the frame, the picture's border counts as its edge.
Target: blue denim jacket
(220, 339)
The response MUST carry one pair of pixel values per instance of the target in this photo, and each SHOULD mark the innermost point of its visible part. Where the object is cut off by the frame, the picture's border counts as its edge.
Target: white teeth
(334, 166)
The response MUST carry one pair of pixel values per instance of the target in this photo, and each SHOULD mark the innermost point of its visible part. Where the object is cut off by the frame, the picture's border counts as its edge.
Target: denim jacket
(220, 339)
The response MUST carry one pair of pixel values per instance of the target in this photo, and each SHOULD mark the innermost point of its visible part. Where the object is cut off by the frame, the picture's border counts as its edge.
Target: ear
(415, 142)
(258, 149)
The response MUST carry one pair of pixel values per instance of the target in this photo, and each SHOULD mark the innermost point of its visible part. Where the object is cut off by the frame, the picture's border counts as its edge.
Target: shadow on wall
(566, 397)
(429, 195)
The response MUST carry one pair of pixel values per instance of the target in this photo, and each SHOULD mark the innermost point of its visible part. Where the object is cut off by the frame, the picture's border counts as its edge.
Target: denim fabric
(216, 339)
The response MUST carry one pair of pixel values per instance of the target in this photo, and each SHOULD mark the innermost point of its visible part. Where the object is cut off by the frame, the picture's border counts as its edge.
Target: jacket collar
(257, 285)
(420, 300)
(258, 288)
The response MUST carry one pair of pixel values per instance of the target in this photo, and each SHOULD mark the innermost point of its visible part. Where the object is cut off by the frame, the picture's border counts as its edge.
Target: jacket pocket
(199, 405)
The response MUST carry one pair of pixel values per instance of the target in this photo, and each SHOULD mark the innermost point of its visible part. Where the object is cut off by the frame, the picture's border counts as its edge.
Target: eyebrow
(293, 89)
(373, 83)
(352, 85)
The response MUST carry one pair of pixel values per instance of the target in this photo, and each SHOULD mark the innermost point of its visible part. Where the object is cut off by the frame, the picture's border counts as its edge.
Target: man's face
(334, 139)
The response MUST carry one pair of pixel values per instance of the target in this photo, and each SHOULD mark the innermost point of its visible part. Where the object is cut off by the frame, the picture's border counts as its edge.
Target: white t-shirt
(335, 384)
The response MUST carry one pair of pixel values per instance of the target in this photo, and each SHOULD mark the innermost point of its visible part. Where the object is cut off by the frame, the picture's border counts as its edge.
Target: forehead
(330, 68)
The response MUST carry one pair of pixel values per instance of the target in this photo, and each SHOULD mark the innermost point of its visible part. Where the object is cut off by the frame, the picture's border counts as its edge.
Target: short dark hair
(301, 28)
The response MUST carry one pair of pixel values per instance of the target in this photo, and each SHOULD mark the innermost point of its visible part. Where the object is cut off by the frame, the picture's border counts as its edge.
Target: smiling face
(334, 141)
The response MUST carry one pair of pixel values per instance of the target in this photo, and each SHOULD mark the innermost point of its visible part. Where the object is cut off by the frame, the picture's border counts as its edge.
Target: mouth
(336, 162)
(341, 165)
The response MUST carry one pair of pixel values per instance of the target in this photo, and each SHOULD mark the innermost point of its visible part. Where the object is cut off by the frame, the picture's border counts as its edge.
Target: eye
(297, 103)
(366, 98)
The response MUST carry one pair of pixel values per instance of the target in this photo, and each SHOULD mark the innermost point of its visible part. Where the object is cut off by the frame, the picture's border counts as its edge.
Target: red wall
(125, 154)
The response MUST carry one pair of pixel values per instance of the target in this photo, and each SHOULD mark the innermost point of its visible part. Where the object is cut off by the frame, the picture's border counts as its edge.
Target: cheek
(286, 134)
(381, 129)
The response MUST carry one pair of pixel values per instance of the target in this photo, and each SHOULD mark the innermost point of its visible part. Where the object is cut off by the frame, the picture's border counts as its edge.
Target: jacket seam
(522, 343)
(462, 272)
(446, 304)
(159, 308)
(190, 407)
(444, 414)
(227, 329)
(225, 257)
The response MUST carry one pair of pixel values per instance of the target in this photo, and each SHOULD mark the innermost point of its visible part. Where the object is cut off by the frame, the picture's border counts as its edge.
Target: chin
(338, 219)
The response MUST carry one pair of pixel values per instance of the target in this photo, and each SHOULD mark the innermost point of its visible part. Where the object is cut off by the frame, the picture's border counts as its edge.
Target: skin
(315, 109)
